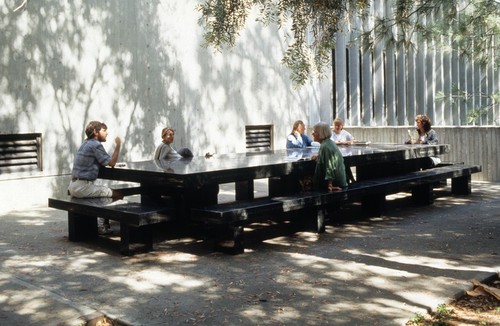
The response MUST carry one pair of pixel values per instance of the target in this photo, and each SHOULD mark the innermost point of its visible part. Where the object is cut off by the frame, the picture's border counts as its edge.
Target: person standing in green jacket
(329, 174)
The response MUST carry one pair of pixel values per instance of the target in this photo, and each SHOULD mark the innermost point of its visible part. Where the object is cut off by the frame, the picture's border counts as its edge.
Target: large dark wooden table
(198, 178)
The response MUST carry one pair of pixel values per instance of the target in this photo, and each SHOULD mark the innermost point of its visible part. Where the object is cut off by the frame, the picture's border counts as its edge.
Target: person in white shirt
(339, 135)
(342, 137)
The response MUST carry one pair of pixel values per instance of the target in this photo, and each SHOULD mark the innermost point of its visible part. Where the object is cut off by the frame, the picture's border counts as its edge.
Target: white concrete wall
(139, 66)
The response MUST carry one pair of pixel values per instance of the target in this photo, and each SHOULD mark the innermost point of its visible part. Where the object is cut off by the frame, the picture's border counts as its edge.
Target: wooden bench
(136, 220)
(20, 152)
(234, 216)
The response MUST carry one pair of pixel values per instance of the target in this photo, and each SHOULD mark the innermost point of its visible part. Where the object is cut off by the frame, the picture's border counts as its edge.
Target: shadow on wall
(127, 64)
(66, 70)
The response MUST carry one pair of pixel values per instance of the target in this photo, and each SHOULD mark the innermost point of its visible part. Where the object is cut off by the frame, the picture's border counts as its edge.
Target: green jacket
(329, 166)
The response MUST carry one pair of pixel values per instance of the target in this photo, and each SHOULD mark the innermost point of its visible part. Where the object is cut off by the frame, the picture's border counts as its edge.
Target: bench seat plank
(237, 212)
(419, 182)
(132, 213)
(135, 218)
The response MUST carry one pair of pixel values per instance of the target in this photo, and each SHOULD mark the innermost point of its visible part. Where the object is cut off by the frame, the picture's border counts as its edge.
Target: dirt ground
(482, 309)
(467, 310)
(361, 271)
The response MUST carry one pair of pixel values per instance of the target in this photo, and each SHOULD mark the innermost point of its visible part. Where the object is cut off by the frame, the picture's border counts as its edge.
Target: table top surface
(242, 166)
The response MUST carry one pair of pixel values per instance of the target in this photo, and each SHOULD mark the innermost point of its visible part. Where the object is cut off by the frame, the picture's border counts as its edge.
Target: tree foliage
(470, 27)
(305, 55)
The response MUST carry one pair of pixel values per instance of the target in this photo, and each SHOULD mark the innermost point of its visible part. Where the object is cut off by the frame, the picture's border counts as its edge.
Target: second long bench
(233, 217)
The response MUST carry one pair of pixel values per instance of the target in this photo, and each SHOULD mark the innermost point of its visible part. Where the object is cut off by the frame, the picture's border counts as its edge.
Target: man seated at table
(89, 158)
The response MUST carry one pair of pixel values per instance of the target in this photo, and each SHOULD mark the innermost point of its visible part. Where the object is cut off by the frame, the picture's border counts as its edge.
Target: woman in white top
(339, 135)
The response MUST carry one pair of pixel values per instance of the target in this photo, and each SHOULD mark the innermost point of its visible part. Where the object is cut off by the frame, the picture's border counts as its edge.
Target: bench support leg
(373, 205)
(233, 234)
(125, 239)
(130, 234)
(423, 194)
(320, 221)
(81, 227)
(239, 244)
(461, 185)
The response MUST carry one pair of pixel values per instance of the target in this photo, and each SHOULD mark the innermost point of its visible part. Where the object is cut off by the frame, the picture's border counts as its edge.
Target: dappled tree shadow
(52, 43)
(120, 62)
(360, 272)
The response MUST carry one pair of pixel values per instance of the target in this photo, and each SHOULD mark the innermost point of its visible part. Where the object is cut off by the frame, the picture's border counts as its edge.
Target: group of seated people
(299, 139)
(331, 174)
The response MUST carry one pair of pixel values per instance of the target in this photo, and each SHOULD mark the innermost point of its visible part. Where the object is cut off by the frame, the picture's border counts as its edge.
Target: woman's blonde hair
(338, 121)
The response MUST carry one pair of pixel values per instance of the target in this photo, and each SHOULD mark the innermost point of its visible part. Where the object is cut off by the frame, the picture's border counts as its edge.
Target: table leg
(244, 189)
(182, 199)
(461, 185)
(81, 227)
(202, 196)
(188, 198)
(423, 194)
(287, 184)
